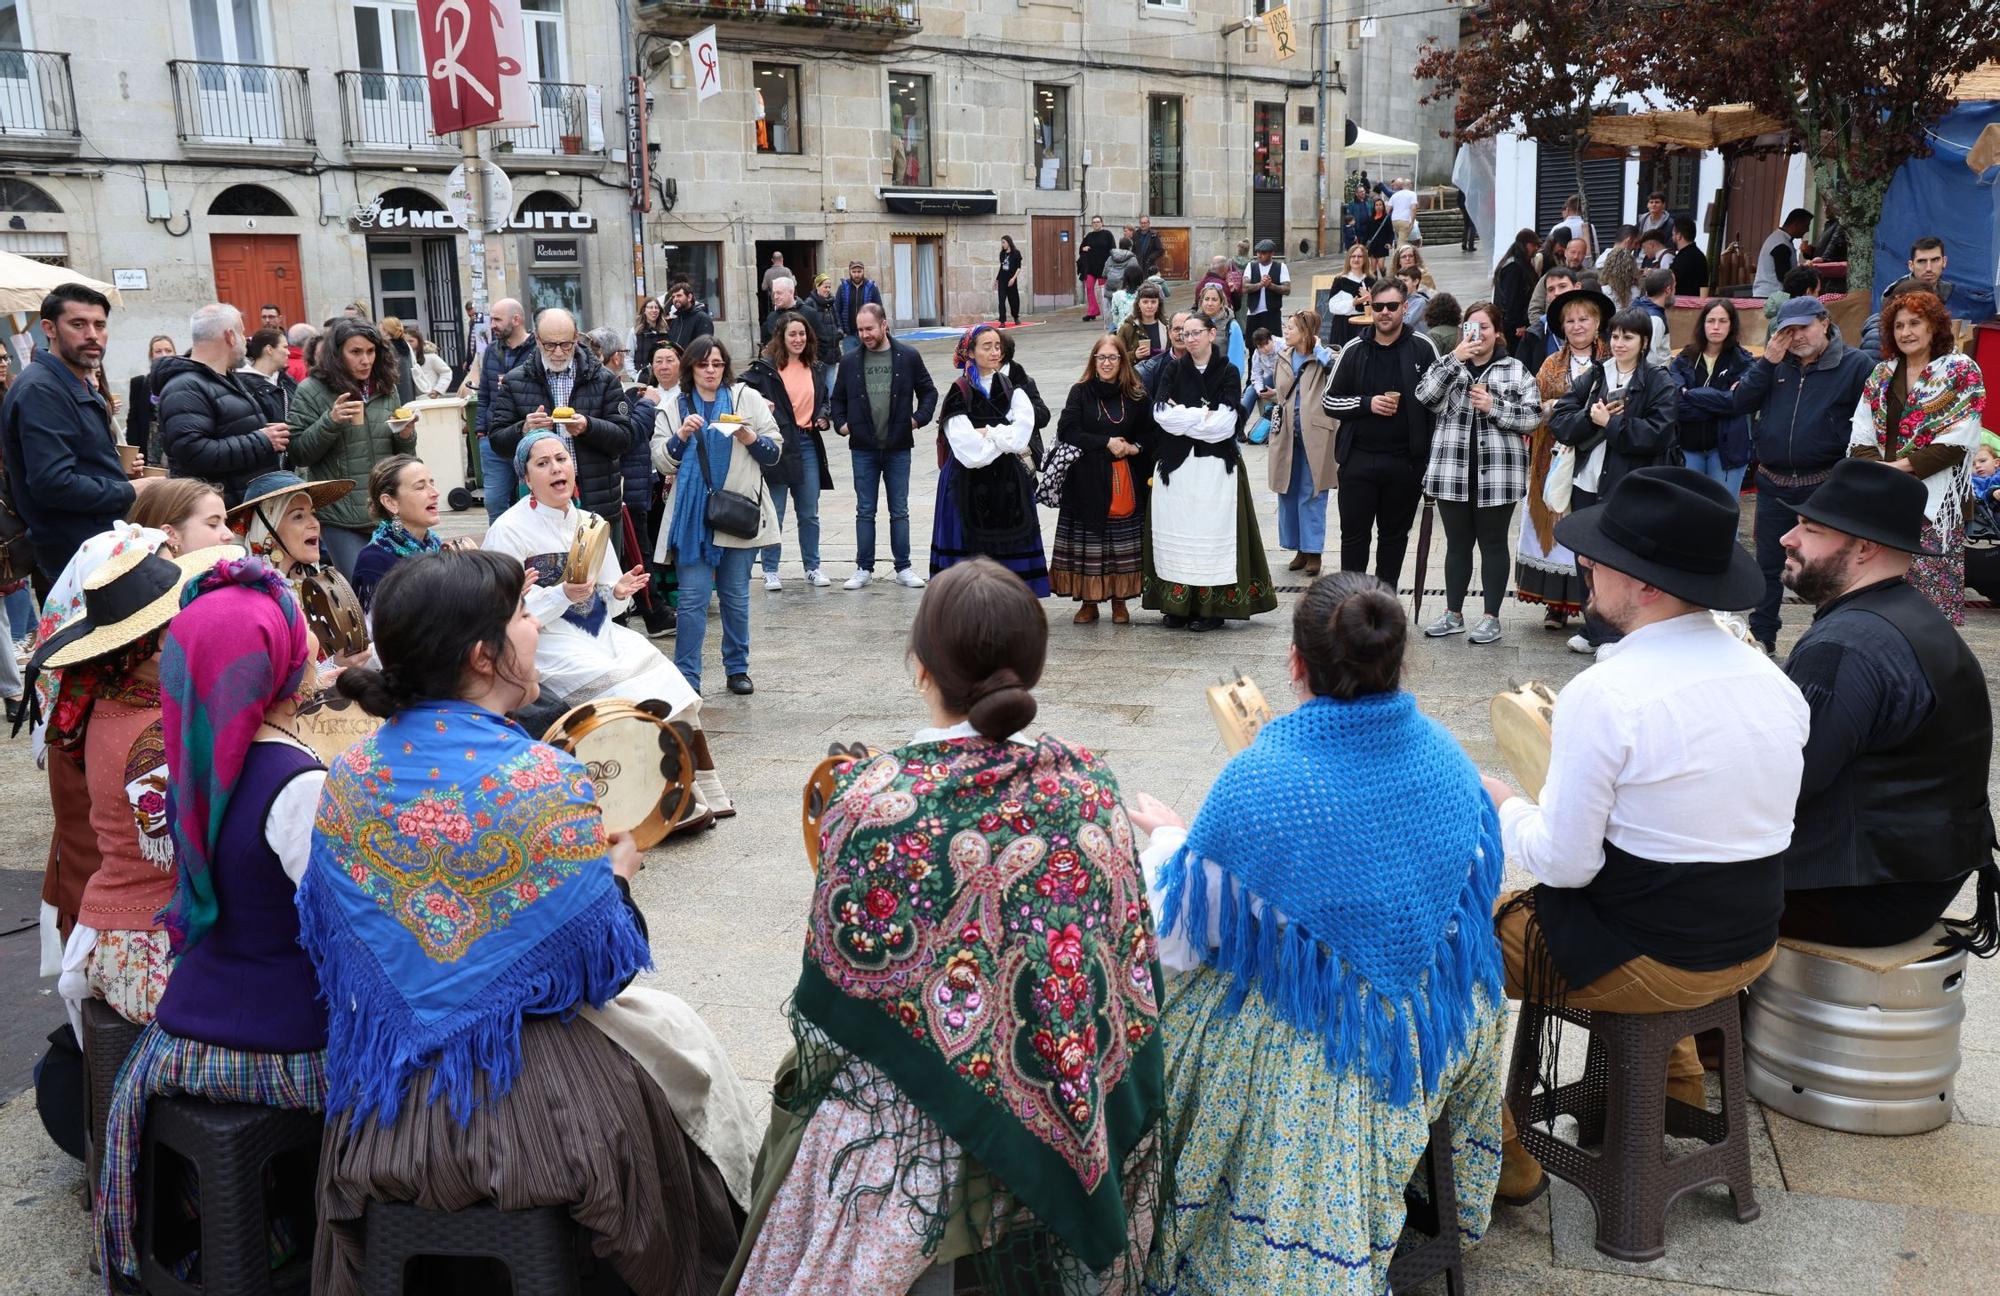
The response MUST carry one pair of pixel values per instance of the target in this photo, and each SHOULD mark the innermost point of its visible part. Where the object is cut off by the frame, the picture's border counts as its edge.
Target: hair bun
(1001, 705)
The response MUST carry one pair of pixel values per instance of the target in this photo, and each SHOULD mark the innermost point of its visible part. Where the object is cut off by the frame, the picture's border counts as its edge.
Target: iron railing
(37, 97)
(859, 15)
(387, 112)
(241, 103)
(561, 112)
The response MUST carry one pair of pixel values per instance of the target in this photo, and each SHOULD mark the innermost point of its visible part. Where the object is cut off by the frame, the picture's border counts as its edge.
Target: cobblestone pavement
(1841, 1213)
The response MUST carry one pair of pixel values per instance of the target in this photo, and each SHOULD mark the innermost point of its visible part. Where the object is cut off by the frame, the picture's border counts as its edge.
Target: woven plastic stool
(229, 1145)
(542, 1250)
(1429, 1245)
(107, 1041)
(1621, 1105)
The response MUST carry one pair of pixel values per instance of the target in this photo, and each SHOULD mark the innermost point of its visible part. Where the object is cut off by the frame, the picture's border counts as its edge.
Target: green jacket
(323, 450)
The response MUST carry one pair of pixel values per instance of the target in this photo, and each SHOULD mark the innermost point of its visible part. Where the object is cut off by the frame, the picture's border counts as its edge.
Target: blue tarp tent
(1941, 195)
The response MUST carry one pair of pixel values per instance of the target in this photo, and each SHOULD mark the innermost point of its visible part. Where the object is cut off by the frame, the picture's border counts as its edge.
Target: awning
(940, 202)
(24, 282)
(1726, 124)
(1367, 144)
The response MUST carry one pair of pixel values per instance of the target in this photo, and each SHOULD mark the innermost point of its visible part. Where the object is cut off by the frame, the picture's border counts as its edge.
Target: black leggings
(1010, 295)
(1378, 492)
(1489, 528)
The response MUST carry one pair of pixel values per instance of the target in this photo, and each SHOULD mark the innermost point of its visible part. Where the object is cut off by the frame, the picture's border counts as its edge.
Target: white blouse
(977, 447)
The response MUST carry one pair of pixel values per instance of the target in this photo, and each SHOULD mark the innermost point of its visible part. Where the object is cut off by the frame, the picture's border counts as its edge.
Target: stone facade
(1382, 96)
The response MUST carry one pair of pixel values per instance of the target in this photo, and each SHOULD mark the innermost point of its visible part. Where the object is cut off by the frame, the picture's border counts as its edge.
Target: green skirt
(1252, 592)
(1282, 1176)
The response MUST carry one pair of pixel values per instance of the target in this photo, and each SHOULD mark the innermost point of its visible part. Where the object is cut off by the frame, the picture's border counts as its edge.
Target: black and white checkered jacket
(1446, 388)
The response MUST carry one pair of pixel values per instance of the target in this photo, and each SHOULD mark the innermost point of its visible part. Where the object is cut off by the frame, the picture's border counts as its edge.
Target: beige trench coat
(1318, 431)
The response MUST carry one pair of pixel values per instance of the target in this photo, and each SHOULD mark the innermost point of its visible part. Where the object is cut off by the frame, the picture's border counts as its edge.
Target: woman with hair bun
(473, 929)
(979, 1001)
(1332, 907)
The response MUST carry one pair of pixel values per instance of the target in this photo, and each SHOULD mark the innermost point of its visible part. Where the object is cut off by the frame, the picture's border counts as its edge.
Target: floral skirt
(128, 970)
(1941, 579)
(1094, 563)
(1284, 1176)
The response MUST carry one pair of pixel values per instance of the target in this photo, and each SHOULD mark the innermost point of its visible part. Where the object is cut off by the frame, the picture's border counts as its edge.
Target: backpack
(1233, 281)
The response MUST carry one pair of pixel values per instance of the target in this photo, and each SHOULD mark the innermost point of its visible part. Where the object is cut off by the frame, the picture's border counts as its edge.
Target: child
(1263, 368)
(1986, 468)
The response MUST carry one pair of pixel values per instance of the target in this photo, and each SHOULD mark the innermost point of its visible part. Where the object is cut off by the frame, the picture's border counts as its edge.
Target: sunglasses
(1385, 306)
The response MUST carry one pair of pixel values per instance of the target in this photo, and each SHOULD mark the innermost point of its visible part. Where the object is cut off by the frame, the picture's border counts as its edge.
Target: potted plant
(572, 144)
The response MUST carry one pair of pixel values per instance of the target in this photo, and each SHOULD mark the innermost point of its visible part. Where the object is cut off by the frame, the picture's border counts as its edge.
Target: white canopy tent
(1367, 144)
(25, 281)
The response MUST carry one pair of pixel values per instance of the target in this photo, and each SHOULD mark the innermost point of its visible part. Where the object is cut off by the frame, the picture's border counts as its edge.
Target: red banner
(475, 61)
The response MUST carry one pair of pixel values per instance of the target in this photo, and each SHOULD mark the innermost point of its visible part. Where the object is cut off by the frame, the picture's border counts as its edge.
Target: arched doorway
(254, 269)
(413, 260)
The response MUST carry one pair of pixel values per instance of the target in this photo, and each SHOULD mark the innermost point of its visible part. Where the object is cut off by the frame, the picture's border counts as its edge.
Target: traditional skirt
(1547, 577)
(1941, 579)
(1287, 1177)
(1093, 563)
(583, 1128)
(1250, 593)
(1019, 551)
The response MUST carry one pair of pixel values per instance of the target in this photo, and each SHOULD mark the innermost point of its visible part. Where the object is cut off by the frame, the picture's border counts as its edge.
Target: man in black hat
(1893, 811)
(1658, 842)
(1265, 283)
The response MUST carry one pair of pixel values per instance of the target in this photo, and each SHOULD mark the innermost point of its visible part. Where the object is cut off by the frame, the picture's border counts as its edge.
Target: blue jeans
(1301, 516)
(1709, 464)
(849, 342)
(497, 474)
(1774, 518)
(729, 581)
(807, 494)
(891, 468)
(22, 610)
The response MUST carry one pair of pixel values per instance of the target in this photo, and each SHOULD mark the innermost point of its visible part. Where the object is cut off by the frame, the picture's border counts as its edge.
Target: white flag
(707, 64)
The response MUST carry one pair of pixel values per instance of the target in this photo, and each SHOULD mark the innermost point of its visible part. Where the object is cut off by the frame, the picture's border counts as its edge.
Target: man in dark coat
(818, 308)
(881, 396)
(510, 344)
(212, 426)
(1146, 247)
(686, 320)
(564, 373)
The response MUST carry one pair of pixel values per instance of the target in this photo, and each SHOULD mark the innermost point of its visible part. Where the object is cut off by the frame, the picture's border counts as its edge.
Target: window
(249, 200)
(777, 87)
(228, 31)
(910, 129)
(1178, 6)
(1267, 147)
(1163, 155)
(1050, 146)
(22, 196)
(546, 44)
(701, 265)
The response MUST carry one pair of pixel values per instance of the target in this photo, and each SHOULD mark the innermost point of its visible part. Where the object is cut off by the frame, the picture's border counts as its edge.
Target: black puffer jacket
(211, 425)
(606, 436)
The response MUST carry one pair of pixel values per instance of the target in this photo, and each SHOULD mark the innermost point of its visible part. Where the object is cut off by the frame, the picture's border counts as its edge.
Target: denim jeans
(22, 611)
(1709, 464)
(807, 495)
(891, 468)
(497, 475)
(849, 342)
(10, 669)
(729, 581)
(1774, 518)
(341, 547)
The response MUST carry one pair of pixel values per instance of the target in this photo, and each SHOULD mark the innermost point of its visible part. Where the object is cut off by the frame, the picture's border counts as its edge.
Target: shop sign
(556, 252)
(374, 217)
(940, 202)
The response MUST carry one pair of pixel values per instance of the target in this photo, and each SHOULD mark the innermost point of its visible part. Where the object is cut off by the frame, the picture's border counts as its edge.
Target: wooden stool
(542, 1250)
(107, 1041)
(1429, 1245)
(229, 1145)
(1621, 1104)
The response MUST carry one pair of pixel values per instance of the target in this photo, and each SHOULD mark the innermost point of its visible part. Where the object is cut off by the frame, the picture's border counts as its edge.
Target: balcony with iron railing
(386, 117)
(231, 111)
(843, 22)
(37, 105)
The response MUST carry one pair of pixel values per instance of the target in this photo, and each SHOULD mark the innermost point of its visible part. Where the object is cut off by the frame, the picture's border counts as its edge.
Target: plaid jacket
(1446, 387)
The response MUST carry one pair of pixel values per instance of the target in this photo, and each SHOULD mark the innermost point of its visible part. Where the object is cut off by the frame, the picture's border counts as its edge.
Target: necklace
(1104, 413)
(290, 733)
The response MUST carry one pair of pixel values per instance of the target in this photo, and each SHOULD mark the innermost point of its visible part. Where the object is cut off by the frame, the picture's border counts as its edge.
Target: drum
(333, 612)
(641, 765)
(331, 724)
(1523, 725)
(586, 548)
(1240, 711)
(819, 794)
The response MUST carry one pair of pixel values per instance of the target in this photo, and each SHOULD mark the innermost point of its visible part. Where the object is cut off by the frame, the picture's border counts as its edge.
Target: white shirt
(1591, 469)
(1680, 745)
(1274, 273)
(1175, 951)
(976, 447)
(1768, 278)
(1403, 205)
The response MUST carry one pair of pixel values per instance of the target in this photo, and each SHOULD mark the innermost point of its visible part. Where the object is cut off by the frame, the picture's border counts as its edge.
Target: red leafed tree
(1859, 82)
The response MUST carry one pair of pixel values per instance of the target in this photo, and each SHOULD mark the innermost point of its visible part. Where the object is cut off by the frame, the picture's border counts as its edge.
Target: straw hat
(132, 594)
(283, 485)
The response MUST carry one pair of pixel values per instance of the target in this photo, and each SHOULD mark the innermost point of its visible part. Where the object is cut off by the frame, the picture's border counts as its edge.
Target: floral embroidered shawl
(980, 933)
(459, 882)
(1943, 407)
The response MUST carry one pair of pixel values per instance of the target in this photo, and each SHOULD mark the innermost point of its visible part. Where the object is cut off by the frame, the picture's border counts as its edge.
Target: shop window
(1268, 147)
(910, 129)
(701, 265)
(777, 89)
(1050, 129)
(1163, 155)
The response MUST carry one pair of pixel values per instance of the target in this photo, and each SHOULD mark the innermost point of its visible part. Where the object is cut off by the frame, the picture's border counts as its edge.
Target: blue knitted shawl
(1365, 825)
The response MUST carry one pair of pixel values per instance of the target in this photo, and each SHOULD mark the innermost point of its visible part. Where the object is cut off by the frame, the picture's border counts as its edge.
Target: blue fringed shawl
(1366, 826)
(459, 882)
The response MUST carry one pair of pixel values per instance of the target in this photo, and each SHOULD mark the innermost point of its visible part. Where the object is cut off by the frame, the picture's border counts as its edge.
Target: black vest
(1918, 811)
(1700, 917)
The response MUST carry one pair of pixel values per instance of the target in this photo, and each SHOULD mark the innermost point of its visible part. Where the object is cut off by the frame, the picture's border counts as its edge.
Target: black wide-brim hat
(1674, 529)
(1870, 500)
(1595, 298)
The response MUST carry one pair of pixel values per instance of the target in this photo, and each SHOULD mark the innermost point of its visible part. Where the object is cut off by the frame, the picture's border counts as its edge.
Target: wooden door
(252, 269)
(1052, 263)
(1756, 192)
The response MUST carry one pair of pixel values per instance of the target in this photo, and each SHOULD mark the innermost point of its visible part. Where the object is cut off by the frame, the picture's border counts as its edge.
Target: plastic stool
(229, 1145)
(1429, 1245)
(107, 1042)
(1621, 1103)
(543, 1250)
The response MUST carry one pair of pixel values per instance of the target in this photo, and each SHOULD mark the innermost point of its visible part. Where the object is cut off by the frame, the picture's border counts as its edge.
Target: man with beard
(1893, 809)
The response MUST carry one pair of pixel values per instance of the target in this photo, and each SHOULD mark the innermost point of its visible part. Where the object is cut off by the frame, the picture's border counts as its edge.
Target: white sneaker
(909, 579)
(817, 579)
(772, 583)
(1579, 644)
(858, 579)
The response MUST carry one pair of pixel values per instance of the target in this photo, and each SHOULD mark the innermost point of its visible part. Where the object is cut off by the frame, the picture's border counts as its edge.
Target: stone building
(271, 151)
(911, 136)
(1377, 56)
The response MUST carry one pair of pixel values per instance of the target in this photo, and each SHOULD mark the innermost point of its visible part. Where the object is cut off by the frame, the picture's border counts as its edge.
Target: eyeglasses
(1385, 306)
(557, 346)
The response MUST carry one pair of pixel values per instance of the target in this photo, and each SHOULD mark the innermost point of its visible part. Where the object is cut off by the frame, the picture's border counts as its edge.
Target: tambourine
(586, 548)
(819, 793)
(1523, 725)
(1240, 710)
(333, 612)
(331, 724)
(641, 765)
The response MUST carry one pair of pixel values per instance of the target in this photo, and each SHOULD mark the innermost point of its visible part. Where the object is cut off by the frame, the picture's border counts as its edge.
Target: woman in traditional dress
(995, 1095)
(1920, 413)
(501, 1057)
(279, 520)
(1301, 464)
(1101, 526)
(986, 490)
(1544, 571)
(404, 500)
(1348, 299)
(1344, 986)
(242, 1019)
(1204, 559)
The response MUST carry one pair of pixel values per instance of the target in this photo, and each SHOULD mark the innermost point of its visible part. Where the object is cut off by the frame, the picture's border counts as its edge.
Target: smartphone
(1470, 332)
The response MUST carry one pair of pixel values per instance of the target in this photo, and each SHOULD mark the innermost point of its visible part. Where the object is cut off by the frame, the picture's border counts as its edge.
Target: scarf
(979, 933)
(1943, 405)
(459, 883)
(527, 445)
(64, 607)
(396, 538)
(1366, 826)
(237, 645)
(1217, 387)
(693, 540)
